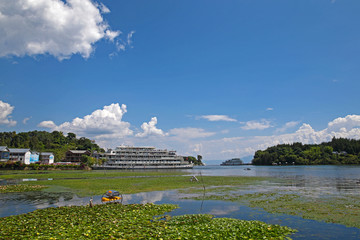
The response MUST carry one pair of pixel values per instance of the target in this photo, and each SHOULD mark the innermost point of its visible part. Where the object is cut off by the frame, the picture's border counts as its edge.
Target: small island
(340, 151)
(232, 162)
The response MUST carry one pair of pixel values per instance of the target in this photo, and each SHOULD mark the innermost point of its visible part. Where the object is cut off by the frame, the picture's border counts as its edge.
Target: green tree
(338, 151)
(87, 160)
(71, 137)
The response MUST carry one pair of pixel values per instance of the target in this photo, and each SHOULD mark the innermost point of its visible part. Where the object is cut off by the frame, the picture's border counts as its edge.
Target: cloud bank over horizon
(107, 127)
(342, 127)
(52, 27)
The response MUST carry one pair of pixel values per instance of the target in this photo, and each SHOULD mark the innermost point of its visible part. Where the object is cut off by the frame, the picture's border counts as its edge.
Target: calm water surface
(334, 179)
(322, 179)
(328, 171)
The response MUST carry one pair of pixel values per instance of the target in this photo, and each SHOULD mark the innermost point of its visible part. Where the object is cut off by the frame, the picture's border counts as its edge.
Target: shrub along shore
(35, 166)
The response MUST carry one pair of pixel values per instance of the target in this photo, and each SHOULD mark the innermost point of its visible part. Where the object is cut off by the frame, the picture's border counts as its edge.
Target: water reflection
(18, 203)
(331, 171)
(335, 179)
(224, 211)
(149, 197)
(328, 185)
(23, 202)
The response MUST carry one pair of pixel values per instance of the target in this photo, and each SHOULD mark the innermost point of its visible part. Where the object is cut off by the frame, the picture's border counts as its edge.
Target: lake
(338, 180)
(335, 179)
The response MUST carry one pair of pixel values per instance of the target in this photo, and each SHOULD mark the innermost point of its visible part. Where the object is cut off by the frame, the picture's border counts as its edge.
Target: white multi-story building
(127, 157)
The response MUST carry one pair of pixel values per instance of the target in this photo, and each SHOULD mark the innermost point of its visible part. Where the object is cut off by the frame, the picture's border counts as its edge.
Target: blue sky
(220, 79)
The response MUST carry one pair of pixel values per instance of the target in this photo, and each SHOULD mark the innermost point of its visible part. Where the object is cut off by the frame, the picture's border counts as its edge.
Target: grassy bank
(90, 183)
(116, 221)
(73, 174)
(130, 185)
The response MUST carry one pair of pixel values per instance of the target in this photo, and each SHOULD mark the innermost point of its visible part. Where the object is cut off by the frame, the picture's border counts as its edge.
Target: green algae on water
(134, 221)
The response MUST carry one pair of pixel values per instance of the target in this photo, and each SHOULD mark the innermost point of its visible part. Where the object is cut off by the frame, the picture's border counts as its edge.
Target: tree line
(42, 141)
(196, 161)
(337, 151)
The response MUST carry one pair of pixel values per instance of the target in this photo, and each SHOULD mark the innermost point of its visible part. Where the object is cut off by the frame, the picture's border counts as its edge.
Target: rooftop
(4, 148)
(19, 150)
(46, 153)
(78, 151)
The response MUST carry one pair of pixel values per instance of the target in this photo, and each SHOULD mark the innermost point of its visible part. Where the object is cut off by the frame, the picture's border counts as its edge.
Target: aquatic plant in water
(134, 221)
(343, 209)
(20, 188)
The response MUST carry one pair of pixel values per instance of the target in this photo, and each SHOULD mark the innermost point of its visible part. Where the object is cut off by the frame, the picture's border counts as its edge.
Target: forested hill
(338, 151)
(42, 141)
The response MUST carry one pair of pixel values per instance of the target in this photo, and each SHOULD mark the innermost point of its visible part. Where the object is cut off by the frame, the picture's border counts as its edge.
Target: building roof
(3, 148)
(78, 151)
(133, 147)
(46, 153)
(19, 150)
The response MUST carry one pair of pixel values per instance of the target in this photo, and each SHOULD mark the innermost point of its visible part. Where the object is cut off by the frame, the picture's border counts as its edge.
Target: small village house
(4, 154)
(74, 156)
(46, 158)
(23, 155)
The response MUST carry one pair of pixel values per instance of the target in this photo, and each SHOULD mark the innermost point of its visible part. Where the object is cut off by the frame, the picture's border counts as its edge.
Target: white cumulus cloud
(26, 120)
(348, 122)
(47, 124)
(100, 124)
(256, 125)
(5, 112)
(287, 126)
(188, 133)
(103, 8)
(197, 147)
(150, 129)
(214, 118)
(55, 27)
(129, 38)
